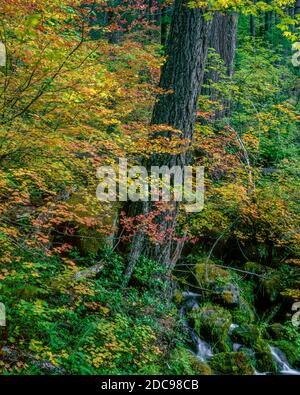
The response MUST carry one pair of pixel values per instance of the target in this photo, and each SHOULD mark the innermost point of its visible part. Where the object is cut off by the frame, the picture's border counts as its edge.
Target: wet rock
(264, 361)
(212, 323)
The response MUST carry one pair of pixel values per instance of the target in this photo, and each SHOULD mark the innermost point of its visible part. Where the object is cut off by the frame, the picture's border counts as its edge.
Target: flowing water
(203, 350)
(282, 363)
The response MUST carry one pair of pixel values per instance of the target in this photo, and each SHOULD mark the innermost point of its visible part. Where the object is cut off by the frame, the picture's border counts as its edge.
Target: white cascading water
(232, 328)
(281, 361)
(204, 350)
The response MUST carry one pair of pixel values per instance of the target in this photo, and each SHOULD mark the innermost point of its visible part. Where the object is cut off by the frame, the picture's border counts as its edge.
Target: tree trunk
(297, 7)
(223, 41)
(181, 78)
(164, 24)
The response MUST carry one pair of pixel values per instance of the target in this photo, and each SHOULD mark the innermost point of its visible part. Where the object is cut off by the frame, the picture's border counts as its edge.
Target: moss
(277, 331)
(255, 267)
(232, 363)
(201, 368)
(264, 362)
(271, 286)
(183, 362)
(244, 313)
(211, 274)
(263, 357)
(212, 323)
(227, 295)
(245, 334)
(291, 352)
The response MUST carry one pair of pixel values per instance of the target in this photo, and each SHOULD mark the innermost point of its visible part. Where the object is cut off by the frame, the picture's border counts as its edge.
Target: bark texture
(223, 40)
(181, 79)
(297, 7)
(164, 24)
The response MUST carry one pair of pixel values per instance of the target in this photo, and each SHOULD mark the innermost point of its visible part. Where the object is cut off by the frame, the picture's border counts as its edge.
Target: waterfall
(204, 350)
(232, 328)
(282, 363)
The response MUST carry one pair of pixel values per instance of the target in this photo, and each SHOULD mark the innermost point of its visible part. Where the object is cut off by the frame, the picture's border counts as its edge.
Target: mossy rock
(255, 267)
(201, 368)
(212, 323)
(264, 361)
(227, 295)
(271, 286)
(249, 352)
(232, 363)
(210, 274)
(247, 335)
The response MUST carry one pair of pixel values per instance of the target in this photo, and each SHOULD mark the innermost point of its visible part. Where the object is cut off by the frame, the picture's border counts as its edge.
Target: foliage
(77, 92)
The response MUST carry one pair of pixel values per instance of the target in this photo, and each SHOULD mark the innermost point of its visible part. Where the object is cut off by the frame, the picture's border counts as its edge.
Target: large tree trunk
(297, 7)
(252, 24)
(164, 23)
(223, 41)
(181, 78)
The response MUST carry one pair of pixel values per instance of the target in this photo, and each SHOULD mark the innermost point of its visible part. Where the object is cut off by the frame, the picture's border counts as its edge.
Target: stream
(203, 351)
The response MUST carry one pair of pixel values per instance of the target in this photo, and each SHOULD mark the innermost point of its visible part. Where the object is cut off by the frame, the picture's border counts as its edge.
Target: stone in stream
(212, 323)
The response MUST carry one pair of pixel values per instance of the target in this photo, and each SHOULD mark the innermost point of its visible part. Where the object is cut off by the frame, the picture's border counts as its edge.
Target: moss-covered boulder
(201, 368)
(212, 323)
(271, 286)
(247, 334)
(256, 268)
(264, 361)
(210, 274)
(227, 295)
(232, 363)
(250, 336)
(219, 281)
